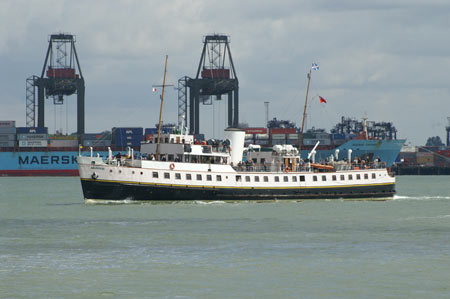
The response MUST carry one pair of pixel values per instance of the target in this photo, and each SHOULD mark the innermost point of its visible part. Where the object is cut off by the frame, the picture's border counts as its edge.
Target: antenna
(267, 113)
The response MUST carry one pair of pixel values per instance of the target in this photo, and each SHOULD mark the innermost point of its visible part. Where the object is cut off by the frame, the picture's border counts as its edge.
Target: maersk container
(7, 130)
(151, 131)
(282, 130)
(339, 141)
(33, 143)
(96, 136)
(63, 143)
(124, 142)
(97, 143)
(32, 136)
(338, 136)
(32, 130)
(128, 131)
(279, 136)
(7, 137)
(7, 143)
(262, 141)
(7, 123)
(262, 136)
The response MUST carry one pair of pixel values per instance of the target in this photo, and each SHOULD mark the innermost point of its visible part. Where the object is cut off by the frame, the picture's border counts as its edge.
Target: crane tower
(61, 76)
(216, 76)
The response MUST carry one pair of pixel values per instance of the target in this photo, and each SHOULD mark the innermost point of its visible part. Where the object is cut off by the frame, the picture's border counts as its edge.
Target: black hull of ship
(106, 190)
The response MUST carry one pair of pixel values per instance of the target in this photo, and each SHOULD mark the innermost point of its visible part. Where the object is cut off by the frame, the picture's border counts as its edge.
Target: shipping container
(314, 141)
(32, 130)
(64, 137)
(150, 137)
(262, 136)
(7, 123)
(128, 131)
(255, 130)
(7, 143)
(283, 131)
(278, 141)
(292, 136)
(63, 143)
(425, 158)
(7, 137)
(35, 130)
(7, 130)
(97, 143)
(445, 153)
(32, 136)
(339, 141)
(150, 131)
(338, 136)
(279, 136)
(96, 136)
(309, 135)
(33, 143)
(322, 135)
(262, 141)
(408, 158)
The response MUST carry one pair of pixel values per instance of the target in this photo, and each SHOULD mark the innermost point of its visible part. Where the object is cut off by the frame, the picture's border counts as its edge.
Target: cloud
(383, 57)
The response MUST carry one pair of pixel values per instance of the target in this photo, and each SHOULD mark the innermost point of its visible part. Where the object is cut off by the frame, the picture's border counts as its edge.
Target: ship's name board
(47, 160)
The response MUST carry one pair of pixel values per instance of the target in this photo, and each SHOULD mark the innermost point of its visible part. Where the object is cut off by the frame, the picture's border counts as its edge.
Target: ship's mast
(366, 135)
(300, 142)
(161, 109)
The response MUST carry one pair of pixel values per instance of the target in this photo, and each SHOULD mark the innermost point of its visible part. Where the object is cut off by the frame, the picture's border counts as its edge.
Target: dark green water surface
(53, 245)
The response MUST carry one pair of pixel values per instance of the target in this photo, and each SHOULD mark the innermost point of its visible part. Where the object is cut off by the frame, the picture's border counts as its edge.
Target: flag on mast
(315, 67)
(322, 100)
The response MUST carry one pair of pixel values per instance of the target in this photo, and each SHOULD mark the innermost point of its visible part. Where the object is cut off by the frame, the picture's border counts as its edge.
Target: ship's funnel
(236, 137)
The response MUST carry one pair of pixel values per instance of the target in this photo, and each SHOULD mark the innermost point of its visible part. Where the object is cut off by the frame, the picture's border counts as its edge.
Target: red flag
(322, 100)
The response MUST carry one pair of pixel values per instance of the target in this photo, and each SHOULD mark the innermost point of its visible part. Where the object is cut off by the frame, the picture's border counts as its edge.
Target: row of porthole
(120, 171)
(256, 178)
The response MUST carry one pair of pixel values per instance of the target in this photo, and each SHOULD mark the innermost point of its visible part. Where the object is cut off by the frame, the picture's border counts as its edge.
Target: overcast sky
(388, 59)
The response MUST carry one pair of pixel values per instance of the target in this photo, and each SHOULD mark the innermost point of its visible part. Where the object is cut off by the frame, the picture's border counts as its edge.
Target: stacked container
(127, 136)
(97, 140)
(7, 133)
(281, 135)
(32, 136)
(150, 134)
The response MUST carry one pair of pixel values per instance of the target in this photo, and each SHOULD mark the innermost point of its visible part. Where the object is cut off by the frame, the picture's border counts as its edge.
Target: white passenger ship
(186, 171)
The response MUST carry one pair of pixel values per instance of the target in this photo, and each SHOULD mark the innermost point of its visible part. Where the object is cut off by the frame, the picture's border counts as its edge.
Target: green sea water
(53, 245)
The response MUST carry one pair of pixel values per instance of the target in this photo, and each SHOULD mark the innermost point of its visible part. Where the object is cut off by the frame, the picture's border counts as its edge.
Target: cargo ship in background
(367, 140)
(31, 151)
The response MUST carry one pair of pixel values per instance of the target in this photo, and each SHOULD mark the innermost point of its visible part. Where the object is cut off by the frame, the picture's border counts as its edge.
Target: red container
(445, 153)
(255, 130)
(150, 137)
(283, 131)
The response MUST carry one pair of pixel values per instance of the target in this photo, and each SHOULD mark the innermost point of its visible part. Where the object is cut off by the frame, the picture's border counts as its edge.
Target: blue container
(167, 130)
(128, 131)
(337, 136)
(151, 131)
(31, 130)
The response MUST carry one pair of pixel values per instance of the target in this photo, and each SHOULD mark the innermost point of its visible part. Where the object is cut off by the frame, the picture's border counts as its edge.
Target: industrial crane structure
(215, 77)
(61, 76)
